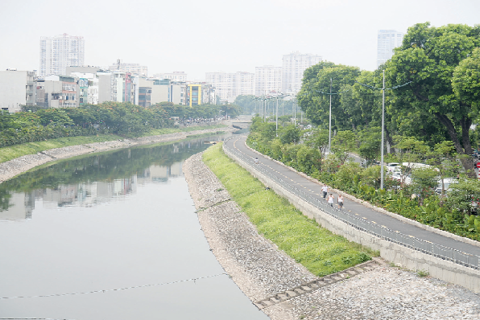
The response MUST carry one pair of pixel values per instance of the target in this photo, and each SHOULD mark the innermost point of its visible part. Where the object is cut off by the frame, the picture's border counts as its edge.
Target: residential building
(387, 40)
(194, 94)
(230, 85)
(268, 79)
(57, 92)
(133, 68)
(59, 52)
(116, 86)
(293, 66)
(174, 76)
(87, 86)
(17, 88)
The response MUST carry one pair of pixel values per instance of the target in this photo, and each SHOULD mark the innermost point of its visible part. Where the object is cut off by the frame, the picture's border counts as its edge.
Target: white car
(446, 183)
(393, 167)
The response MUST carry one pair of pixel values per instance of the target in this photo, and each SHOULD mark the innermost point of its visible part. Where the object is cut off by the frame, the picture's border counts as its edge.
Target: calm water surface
(113, 220)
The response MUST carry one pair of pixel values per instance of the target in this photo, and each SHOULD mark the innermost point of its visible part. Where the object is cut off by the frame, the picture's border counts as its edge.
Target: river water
(122, 219)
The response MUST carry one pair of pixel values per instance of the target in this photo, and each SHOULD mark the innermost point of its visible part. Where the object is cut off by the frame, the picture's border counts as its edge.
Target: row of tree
(124, 119)
(433, 90)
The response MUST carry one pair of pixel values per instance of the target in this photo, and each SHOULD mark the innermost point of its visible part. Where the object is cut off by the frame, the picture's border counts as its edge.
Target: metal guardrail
(439, 251)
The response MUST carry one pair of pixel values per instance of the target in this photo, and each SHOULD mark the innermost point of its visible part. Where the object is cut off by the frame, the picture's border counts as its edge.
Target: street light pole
(276, 119)
(383, 132)
(330, 119)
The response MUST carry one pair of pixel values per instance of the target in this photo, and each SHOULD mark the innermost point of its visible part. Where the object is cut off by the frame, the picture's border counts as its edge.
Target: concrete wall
(400, 255)
(16, 88)
(104, 87)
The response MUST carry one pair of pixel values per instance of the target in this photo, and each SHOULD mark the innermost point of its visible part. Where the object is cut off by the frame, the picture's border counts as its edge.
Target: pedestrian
(325, 191)
(340, 201)
(256, 160)
(330, 200)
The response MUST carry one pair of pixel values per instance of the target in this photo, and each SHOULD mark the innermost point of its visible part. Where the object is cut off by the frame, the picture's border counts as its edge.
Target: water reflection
(92, 180)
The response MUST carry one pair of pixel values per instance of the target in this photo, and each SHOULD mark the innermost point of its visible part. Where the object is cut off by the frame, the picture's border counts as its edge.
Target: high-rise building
(59, 52)
(294, 65)
(230, 85)
(268, 79)
(387, 40)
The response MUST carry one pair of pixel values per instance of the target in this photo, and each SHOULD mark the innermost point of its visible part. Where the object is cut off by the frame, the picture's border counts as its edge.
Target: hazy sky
(216, 35)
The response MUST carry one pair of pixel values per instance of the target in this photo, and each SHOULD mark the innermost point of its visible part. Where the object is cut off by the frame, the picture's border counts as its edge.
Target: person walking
(330, 200)
(256, 160)
(340, 201)
(325, 191)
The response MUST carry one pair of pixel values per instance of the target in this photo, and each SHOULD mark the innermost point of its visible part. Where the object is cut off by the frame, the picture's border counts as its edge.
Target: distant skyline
(216, 35)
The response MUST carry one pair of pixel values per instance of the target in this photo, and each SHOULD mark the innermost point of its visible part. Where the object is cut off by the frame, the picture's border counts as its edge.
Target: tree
(443, 158)
(342, 144)
(314, 100)
(289, 134)
(428, 59)
(463, 195)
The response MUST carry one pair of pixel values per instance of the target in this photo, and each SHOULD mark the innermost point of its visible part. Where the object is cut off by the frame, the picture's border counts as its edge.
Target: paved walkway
(314, 190)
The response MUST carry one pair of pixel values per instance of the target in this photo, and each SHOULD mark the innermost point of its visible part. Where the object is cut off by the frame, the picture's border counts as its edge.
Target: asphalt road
(237, 143)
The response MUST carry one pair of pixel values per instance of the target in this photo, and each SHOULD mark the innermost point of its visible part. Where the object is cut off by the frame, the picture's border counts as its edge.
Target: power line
(375, 88)
(109, 290)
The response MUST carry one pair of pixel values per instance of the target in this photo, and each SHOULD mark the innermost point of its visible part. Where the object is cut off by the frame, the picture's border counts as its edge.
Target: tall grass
(319, 250)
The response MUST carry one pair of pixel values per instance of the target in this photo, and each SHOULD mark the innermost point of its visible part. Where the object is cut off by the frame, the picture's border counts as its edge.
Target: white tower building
(294, 65)
(268, 79)
(387, 40)
(59, 52)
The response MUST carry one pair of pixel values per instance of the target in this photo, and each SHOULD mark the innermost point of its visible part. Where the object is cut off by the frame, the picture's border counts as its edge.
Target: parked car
(446, 182)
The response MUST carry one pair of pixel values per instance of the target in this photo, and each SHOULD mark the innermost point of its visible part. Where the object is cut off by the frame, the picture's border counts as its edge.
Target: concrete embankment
(284, 289)
(19, 165)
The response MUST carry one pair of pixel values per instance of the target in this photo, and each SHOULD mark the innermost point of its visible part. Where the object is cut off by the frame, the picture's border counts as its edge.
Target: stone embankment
(283, 289)
(19, 165)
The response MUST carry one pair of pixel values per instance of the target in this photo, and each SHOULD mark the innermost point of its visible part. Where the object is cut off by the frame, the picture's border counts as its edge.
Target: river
(118, 220)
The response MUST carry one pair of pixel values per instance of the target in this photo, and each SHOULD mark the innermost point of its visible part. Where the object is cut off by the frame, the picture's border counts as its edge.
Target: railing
(439, 251)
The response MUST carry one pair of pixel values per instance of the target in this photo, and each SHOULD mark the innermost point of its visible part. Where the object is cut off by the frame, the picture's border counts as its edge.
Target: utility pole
(383, 132)
(330, 120)
(276, 119)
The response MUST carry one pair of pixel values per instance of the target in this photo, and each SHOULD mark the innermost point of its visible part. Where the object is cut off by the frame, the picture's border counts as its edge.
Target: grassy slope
(320, 251)
(12, 152)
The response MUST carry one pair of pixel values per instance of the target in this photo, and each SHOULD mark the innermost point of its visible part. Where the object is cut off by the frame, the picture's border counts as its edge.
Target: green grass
(319, 250)
(12, 152)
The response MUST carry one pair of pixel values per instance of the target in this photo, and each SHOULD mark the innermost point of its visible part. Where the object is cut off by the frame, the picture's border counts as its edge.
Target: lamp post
(383, 131)
(330, 119)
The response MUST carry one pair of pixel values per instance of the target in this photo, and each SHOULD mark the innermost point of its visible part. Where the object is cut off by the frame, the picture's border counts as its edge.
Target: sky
(216, 35)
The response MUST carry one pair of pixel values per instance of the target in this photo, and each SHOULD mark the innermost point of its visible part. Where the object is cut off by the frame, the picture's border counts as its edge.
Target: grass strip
(316, 248)
(18, 150)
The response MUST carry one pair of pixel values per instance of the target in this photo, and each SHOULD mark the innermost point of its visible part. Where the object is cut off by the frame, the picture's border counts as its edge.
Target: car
(393, 166)
(447, 182)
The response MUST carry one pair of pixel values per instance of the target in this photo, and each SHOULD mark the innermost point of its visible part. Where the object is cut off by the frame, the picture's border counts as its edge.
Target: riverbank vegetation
(122, 119)
(320, 251)
(15, 151)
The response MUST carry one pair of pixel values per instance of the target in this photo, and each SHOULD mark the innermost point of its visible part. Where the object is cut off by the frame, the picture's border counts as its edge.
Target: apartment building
(17, 88)
(59, 52)
(230, 85)
(57, 92)
(387, 40)
(268, 79)
(293, 66)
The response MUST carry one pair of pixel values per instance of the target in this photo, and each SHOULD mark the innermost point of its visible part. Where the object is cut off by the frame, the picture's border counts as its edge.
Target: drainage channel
(316, 284)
